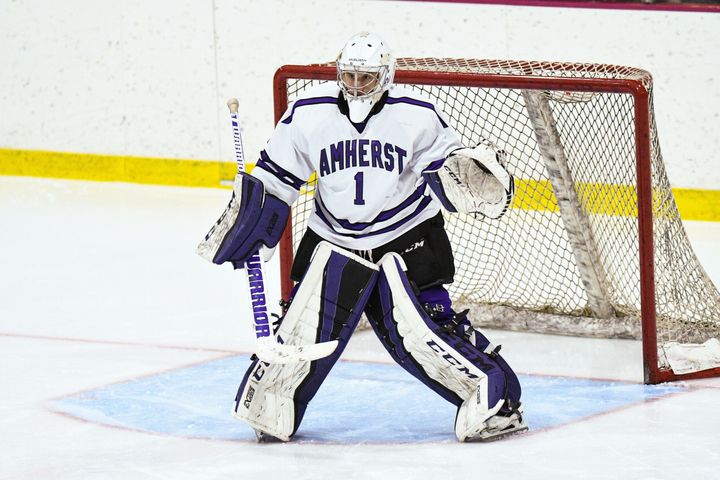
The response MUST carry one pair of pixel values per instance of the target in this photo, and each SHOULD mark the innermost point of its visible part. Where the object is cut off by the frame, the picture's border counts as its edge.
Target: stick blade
(270, 351)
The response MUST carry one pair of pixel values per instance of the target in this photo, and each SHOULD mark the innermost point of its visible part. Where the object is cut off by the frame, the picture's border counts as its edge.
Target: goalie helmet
(365, 70)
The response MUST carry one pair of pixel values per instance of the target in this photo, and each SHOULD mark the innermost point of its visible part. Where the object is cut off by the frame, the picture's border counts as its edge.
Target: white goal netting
(566, 257)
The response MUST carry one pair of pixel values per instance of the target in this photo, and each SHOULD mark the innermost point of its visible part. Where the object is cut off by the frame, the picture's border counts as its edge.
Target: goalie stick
(268, 348)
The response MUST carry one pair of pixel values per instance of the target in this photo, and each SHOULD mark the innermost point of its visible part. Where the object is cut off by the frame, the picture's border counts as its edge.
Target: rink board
(359, 403)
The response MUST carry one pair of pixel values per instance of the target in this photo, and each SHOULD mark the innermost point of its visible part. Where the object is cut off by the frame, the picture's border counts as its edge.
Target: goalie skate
(499, 426)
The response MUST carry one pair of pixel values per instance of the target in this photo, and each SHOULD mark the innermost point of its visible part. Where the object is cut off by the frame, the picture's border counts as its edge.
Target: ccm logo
(453, 175)
(414, 246)
(451, 360)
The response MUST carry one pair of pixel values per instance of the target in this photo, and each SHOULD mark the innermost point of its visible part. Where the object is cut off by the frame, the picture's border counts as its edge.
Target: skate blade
(263, 437)
(487, 437)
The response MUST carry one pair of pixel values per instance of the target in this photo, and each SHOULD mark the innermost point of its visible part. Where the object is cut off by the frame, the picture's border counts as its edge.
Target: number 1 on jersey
(359, 200)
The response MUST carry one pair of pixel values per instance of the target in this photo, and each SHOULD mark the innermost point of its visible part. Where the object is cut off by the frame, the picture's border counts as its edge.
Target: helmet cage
(359, 81)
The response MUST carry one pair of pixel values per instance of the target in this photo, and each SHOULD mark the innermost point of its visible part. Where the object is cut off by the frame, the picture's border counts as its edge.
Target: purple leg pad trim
(438, 299)
(347, 286)
(384, 325)
(381, 319)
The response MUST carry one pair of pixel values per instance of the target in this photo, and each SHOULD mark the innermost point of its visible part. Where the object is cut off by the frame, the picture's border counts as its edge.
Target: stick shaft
(268, 348)
(237, 142)
(253, 266)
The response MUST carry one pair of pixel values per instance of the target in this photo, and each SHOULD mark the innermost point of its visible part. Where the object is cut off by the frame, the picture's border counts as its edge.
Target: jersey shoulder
(420, 104)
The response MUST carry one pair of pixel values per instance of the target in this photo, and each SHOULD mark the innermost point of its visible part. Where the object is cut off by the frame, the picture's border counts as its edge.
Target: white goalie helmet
(365, 70)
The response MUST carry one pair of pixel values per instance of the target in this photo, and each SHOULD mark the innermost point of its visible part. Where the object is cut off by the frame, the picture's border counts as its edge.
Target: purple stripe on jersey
(308, 101)
(283, 175)
(434, 165)
(319, 213)
(419, 103)
(424, 203)
(381, 217)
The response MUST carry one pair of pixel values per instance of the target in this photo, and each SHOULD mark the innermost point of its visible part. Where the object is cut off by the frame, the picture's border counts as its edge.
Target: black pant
(425, 249)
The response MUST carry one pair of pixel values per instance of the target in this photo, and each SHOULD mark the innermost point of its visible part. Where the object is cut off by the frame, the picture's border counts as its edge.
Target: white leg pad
(266, 400)
(440, 361)
(474, 412)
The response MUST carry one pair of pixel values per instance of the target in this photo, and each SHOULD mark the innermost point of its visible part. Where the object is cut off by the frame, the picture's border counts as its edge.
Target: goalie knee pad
(459, 371)
(326, 306)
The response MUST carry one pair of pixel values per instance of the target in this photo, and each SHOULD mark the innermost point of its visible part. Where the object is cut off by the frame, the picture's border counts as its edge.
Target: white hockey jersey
(370, 185)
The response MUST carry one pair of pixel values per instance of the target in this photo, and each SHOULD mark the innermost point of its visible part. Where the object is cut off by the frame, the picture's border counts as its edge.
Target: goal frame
(641, 103)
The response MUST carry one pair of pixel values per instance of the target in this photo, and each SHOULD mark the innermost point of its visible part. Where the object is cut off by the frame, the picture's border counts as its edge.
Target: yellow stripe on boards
(619, 200)
(703, 205)
(596, 198)
(114, 168)
(694, 204)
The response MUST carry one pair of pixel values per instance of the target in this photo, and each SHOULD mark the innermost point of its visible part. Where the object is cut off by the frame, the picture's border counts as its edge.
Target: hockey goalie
(387, 161)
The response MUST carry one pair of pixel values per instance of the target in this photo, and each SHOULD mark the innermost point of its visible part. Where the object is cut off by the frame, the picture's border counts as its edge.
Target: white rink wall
(150, 78)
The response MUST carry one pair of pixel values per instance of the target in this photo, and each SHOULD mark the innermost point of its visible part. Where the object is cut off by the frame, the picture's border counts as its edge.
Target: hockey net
(593, 243)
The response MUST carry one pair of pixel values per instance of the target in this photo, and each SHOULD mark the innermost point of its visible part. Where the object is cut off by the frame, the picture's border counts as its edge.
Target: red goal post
(565, 127)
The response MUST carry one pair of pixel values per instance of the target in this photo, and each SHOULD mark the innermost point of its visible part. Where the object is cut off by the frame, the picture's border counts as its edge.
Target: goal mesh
(521, 271)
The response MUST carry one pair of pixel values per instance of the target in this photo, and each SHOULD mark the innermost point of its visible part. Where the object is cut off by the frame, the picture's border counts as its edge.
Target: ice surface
(121, 351)
(360, 402)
